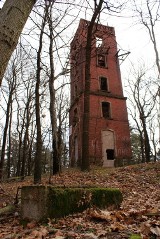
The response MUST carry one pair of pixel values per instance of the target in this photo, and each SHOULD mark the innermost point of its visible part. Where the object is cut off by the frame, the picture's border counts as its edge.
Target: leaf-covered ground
(139, 212)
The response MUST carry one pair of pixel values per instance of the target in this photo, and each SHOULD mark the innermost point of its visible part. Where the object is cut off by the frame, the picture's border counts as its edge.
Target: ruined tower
(109, 136)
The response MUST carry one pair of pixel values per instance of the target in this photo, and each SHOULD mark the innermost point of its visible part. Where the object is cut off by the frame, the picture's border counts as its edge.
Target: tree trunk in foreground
(85, 164)
(13, 17)
(39, 143)
(56, 166)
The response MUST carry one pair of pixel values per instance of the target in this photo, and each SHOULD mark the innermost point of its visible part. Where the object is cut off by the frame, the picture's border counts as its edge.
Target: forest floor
(138, 214)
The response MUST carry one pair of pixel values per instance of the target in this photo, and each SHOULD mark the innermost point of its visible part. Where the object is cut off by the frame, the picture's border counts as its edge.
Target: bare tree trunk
(38, 156)
(20, 133)
(52, 98)
(12, 88)
(29, 163)
(9, 145)
(25, 151)
(4, 140)
(13, 17)
(59, 136)
(154, 142)
(143, 115)
(142, 146)
(143, 108)
(25, 141)
(146, 141)
(141, 141)
(85, 164)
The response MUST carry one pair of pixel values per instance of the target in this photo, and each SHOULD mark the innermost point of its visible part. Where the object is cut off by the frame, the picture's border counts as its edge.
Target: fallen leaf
(59, 237)
(116, 226)
(31, 225)
(100, 215)
(155, 230)
(58, 233)
(90, 236)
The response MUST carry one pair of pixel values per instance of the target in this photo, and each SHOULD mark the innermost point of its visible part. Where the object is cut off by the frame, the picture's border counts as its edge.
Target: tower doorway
(108, 148)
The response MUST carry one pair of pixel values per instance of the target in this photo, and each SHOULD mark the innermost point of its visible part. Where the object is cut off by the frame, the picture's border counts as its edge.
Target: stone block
(42, 202)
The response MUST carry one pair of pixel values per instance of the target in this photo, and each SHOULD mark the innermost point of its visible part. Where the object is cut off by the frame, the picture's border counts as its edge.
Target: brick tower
(109, 136)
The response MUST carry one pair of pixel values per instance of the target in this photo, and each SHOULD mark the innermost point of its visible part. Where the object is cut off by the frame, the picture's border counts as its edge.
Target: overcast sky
(130, 36)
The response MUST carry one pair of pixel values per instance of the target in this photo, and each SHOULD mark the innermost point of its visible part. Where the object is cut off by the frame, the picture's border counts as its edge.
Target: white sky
(130, 37)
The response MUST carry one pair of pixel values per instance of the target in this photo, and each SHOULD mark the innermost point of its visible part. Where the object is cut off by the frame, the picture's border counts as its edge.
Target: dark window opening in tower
(103, 84)
(101, 60)
(106, 109)
(99, 42)
(75, 91)
(75, 117)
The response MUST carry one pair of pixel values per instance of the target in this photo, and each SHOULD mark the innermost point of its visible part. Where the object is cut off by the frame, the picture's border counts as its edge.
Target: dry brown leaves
(139, 212)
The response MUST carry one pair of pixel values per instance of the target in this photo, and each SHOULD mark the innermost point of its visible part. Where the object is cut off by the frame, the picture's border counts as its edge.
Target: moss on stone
(104, 197)
(135, 236)
(61, 202)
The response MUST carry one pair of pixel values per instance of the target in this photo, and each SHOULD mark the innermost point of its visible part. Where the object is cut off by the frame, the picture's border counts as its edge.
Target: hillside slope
(139, 212)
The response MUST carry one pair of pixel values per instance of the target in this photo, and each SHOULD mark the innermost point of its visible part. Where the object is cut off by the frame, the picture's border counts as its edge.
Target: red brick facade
(109, 136)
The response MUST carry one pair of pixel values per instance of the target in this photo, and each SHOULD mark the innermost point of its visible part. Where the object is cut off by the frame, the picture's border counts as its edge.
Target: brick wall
(118, 120)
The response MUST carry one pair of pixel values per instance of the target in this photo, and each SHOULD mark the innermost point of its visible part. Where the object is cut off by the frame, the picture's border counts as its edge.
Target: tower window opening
(75, 117)
(103, 84)
(75, 91)
(101, 60)
(99, 42)
(106, 109)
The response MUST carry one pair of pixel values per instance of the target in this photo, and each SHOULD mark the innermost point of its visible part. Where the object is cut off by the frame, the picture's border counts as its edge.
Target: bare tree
(62, 106)
(9, 142)
(20, 130)
(12, 86)
(38, 156)
(148, 15)
(153, 125)
(142, 98)
(30, 162)
(28, 115)
(26, 143)
(56, 45)
(53, 95)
